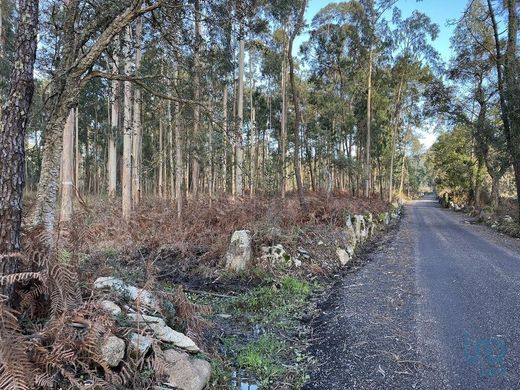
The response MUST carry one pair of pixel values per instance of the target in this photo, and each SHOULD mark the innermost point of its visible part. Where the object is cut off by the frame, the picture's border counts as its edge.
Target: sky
(440, 11)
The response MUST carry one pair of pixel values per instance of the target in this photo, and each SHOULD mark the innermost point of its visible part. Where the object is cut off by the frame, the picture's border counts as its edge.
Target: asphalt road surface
(435, 306)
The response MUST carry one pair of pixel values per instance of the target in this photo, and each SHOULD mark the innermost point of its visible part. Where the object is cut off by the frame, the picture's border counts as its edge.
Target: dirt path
(436, 307)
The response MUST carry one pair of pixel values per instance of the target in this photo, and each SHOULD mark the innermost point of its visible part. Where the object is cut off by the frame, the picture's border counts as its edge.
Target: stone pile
(183, 370)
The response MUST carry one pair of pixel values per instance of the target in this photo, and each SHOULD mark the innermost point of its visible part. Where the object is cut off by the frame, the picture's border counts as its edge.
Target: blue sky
(440, 11)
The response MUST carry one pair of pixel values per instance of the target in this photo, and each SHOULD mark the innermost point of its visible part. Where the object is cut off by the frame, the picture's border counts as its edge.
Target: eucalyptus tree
(197, 43)
(473, 66)
(507, 65)
(334, 55)
(414, 54)
(284, 14)
(373, 11)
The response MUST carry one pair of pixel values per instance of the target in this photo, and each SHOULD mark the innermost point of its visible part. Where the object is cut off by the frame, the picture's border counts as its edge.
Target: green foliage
(261, 357)
(277, 302)
(452, 162)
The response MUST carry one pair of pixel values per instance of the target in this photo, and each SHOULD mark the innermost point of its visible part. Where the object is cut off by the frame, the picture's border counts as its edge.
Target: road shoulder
(365, 337)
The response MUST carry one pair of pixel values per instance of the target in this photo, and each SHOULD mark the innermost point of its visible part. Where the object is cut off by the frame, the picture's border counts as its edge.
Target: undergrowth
(266, 303)
(196, 243)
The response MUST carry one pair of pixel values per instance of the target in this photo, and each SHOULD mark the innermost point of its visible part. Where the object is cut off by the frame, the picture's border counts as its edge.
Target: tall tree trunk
(297, 111)
(395, 130)
(210, 152)
(368, 162)
(195, 169)
(252, 120)
(225, 137)
(171, 158)
(178, 151)
(114, 130)
(495, 191)
(283, 135)
(78, 151)
(12, 136)
(127, 135)
(137, 141)
(240, 122)
(161, 157)
(403, 166)
(67, 175)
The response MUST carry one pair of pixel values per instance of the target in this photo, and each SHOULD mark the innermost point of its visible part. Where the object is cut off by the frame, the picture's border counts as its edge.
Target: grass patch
(280, 301)
(276, 307)
(261, 358)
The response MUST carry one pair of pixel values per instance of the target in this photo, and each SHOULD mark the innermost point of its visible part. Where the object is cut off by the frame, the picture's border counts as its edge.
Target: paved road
(437, 306)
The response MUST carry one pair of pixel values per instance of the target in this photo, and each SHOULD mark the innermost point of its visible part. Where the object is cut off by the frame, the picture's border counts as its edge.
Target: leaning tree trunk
(12, 136)
(297, 111)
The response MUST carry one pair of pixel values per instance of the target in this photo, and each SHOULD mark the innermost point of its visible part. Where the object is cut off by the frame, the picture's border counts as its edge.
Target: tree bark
(178, 153)
(114, 130)
(495, 191)
(67, 175)
(12, 136)
(225, 138)
(78, 151)
(137, 140)
(171, 157)
(161, 157)
(127, 136)
(252, 119)
(210, 157)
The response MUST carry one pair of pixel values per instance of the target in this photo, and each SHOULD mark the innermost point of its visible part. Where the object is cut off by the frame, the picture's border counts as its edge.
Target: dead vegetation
(195, 245)
(52, 330)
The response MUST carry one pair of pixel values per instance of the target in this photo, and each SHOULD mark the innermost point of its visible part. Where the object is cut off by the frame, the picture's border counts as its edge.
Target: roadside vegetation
(476, 164)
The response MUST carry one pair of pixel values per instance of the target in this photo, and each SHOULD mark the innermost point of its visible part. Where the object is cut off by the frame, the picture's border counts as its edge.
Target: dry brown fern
(64, 289)
(15, 368)
(21, 277)
(191, 314)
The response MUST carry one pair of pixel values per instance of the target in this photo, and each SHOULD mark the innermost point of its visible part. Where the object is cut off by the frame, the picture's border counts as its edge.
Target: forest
(139, 136)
